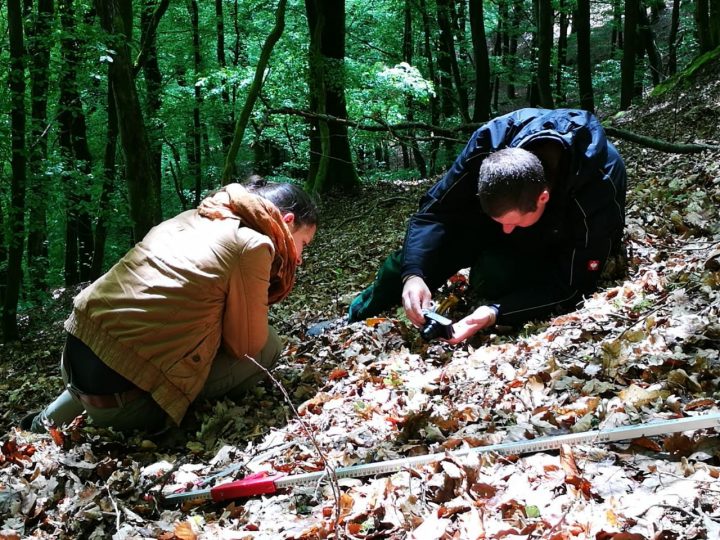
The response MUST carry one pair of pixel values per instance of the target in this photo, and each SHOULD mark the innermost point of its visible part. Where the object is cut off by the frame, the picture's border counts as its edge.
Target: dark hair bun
(256, 181)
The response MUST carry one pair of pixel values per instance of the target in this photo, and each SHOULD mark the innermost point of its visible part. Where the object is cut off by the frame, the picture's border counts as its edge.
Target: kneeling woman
(177, 318)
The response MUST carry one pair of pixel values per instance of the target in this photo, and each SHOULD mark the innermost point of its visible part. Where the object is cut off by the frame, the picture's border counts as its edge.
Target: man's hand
(415, 297)
(482, 317)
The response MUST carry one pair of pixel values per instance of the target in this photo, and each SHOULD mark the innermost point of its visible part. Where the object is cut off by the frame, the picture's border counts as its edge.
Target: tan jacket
(159, 315)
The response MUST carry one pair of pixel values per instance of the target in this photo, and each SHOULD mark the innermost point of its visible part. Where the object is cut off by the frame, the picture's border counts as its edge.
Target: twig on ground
(329, 469)
(117, 510)
(162, 479)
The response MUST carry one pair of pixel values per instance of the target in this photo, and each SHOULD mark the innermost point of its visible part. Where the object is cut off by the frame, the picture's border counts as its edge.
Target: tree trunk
(144, 205)
(18, 162)
(39, 40)
(432, 74)
(672, 39)
(447, 101)
(617, 26)
(515, 32)
(481, 112)
(561, 51)
(254, 91)
(410, 104)
(647, 37)
(225, 124)
(333, 167)
(149, 20)
(545, 46)
(108, 187)
(76, 153)
(714, 24)
(584, 63)
(627, 84)
(447, 52)
(498, 50)
(533, 93)
(702, 25)
(194, 142)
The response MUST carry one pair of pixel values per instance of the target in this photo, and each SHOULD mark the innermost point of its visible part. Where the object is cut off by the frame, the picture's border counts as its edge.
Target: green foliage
(384, 91)
(380, 88)
(606, 76)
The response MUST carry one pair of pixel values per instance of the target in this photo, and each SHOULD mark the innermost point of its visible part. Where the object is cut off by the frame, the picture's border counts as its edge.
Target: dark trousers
(493, 274)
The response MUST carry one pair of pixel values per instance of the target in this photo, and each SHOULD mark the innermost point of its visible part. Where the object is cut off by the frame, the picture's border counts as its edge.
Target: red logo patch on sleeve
(593, 266)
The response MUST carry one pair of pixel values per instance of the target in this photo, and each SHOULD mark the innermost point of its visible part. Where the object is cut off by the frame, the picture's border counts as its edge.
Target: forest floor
(642, 349)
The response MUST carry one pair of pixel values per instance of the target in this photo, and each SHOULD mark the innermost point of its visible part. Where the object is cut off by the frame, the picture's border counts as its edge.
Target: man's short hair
(510, 179)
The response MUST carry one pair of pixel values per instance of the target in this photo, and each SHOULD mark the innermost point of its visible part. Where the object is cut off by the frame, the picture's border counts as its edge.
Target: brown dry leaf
(16, 453)
(699, 403)
(572, 473)
(374, 321)
(338, 373)
(637, 396)
(483, 490)
(649, 444)
(679, 444)
(346, 505)
(57, 436)
(184, 531)
(619, 536)
(680, 378)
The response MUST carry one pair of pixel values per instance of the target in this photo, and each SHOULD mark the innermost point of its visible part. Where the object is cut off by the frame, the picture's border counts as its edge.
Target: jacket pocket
(190, 372)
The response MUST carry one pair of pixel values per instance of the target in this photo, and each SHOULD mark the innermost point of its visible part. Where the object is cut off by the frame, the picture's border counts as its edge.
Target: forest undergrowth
(644, 348)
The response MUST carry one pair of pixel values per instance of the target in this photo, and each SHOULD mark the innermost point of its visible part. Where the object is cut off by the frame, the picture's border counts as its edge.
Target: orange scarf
(235, 201)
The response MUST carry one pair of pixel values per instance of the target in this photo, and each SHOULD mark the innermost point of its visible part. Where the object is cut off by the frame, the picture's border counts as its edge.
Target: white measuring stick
(664, 427)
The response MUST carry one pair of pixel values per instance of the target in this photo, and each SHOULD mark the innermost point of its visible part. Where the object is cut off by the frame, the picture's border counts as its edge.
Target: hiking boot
(27, 421)
(322, 326)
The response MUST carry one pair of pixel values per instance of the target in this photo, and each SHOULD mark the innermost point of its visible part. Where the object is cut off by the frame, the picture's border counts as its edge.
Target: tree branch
(149, 36)
(436, 132)
(657, 144)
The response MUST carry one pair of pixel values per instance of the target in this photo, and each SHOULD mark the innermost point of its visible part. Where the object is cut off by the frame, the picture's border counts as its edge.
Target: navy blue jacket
(564, 251)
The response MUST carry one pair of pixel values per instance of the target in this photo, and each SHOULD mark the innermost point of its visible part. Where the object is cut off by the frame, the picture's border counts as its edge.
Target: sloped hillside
(644, 348)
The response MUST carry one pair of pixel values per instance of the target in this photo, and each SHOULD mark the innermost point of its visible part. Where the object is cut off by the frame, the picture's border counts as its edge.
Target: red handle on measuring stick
(259, 483)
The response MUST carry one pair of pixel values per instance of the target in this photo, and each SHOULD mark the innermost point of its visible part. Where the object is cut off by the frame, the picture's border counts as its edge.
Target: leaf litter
(643, 348)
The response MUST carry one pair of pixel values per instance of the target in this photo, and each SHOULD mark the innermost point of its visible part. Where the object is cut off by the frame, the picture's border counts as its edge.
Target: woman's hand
(415, 297)
(482, 317)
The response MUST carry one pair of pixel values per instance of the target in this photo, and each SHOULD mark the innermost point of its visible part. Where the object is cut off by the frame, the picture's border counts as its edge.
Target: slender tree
(410, 105)
(500, 49)
(481, 111)
(647, 38)
(195, 133)
(18, 163)
(545, 19)
(533, 93)
(702, 24)
(74, 147)
(673, 38)
(561, 49)
(148, 62)
(141, 180)
(435, 106)
(444, 65)
(448, 54)
(714, 23)
(584, 64)
(617, 25)
(225, 123)
(514, 33)
(627, 84)
(39, 46)
(108, 187)
(331, 164)
(254, 90)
